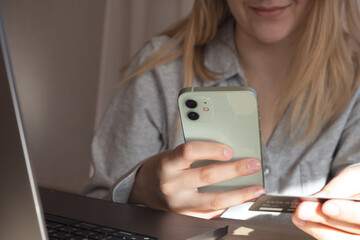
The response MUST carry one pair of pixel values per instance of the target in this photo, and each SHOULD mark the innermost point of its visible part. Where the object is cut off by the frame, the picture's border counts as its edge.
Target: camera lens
(193, 116)
(191, 103)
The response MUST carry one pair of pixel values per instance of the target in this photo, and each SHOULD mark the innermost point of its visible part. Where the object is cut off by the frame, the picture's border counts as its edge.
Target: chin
(271, 35)
(271, 39)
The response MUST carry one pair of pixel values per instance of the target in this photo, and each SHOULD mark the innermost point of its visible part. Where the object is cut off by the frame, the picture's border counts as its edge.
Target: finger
(222, 200)
(214, 173)
(343, 184)
(185, 154)
(311, 211)
(322, 232)
(341, 210)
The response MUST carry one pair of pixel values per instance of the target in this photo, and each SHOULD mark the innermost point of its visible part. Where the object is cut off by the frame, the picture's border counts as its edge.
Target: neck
(264, 62)
(265, 66)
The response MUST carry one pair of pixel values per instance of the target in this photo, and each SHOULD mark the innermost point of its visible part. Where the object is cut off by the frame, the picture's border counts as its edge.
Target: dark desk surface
(239, 229)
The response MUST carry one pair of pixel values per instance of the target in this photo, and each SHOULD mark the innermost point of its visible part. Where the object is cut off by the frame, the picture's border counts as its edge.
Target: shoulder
(153, 82)
(351, 113)
(151, 46)
(170, 73)
(158, 41)
(355, 100)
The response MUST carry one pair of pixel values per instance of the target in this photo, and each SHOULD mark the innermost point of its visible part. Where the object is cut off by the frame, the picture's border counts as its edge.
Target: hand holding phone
(227, 115)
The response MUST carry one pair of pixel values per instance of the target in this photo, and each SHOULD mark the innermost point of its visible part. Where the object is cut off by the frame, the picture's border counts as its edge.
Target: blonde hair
(188, 38)
(323, 74)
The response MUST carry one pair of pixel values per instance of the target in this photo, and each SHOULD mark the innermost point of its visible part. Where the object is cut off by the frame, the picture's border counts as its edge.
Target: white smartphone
(227, 115)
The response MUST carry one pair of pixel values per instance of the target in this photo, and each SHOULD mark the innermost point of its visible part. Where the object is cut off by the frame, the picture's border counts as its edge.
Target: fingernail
(298, 222)
(259, 192)
(227, 153)
(254, 165)
(330, 209)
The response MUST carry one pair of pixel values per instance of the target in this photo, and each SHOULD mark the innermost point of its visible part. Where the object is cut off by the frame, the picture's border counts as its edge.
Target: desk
(253, 230)
(107, 213)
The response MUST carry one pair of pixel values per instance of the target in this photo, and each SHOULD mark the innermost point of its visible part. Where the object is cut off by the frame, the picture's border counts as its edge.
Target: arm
(338, 219)
(134, 153)
(164, 180)
(335, 219)
(131, 130)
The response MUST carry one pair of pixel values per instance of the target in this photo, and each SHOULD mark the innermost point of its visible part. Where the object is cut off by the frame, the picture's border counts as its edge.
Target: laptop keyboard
(64, 228)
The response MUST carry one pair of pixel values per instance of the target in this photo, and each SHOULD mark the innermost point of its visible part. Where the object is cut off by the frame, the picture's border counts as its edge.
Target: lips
(269, 12)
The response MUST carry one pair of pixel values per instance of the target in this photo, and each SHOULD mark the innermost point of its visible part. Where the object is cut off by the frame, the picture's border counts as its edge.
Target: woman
(302, 58)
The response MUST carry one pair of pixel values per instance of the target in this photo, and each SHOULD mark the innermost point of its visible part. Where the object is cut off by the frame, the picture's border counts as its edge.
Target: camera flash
(206, 109)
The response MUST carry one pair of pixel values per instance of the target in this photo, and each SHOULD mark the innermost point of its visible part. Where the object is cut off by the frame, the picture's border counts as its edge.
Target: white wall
(55, 48)
(128, 24)
(66, 56)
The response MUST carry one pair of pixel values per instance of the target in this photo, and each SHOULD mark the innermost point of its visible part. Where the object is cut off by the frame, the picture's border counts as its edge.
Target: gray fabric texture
(142, 121)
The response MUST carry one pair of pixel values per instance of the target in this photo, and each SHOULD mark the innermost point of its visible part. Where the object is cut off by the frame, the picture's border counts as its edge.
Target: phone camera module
(191, 103)
(193, 116)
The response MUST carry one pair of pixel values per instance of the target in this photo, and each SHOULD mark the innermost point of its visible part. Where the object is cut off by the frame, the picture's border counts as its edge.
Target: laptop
(29, 212)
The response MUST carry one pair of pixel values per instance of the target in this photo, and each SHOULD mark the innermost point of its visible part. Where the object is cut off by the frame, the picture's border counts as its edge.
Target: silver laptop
(27, 212)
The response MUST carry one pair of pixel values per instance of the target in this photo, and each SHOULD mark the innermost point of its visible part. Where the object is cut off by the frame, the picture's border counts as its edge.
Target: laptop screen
(21, 216)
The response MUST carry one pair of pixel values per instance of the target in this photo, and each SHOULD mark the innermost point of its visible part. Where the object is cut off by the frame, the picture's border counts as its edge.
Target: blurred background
(66, 57)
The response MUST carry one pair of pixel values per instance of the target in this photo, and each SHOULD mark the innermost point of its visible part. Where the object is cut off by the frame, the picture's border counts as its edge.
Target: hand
(166, 181)
(334, 219)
